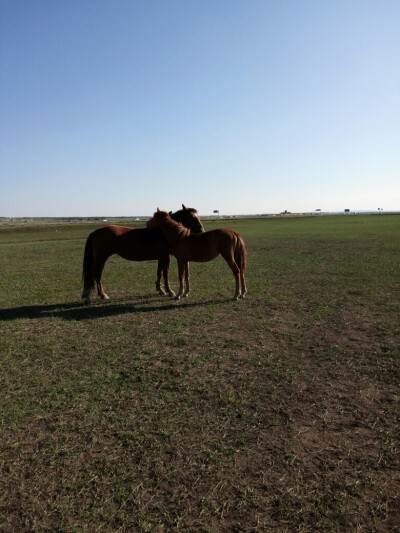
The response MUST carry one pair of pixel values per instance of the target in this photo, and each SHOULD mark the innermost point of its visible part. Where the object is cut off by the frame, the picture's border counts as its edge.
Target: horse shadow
(76, 311)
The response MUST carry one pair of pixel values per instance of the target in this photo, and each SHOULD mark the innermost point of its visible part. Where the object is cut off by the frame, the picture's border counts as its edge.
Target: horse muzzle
(199, 229)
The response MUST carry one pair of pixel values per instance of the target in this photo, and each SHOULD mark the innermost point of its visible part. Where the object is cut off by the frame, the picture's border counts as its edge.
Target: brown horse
(202, 247)
(135, 245)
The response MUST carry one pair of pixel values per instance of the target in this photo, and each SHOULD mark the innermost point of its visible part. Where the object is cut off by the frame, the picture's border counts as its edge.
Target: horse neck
(173, 231)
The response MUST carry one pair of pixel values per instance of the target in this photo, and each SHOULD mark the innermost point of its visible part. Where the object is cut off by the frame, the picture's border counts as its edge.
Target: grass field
(277, 413)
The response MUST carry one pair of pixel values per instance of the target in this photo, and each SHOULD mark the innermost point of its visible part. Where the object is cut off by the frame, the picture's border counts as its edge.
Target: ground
(276, 413)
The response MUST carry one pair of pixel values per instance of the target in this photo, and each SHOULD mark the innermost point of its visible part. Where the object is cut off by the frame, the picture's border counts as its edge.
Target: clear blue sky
(119, 107)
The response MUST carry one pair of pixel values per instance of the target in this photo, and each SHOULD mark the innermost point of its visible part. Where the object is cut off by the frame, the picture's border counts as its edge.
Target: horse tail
(87, 275)
(240, 253)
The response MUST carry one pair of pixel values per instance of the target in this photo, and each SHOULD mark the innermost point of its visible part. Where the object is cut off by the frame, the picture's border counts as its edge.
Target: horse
(202, 247)
(138, 244)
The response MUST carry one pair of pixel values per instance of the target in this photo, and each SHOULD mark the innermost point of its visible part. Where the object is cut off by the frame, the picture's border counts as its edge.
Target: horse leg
(97, 272)
(181, 272)
(243, 283)
(87, 289)
(236, 272)
(187, 276)
(86, 295)
(240, 259)
(166, 264)
(160, 269)
(97, 269)
(100, 291)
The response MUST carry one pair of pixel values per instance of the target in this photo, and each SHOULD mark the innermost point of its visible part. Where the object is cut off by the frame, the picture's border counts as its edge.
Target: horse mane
(181, 230)
(189, 218)
(181, 212)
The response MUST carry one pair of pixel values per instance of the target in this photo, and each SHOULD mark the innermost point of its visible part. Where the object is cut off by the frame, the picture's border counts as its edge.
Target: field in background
(276, 413)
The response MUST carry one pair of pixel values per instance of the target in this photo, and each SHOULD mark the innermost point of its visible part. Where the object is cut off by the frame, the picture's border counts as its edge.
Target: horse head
(189, 218)
(157, 218)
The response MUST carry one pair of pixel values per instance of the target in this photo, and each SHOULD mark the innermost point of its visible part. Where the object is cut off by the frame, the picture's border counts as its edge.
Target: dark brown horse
(202, 247)
(135, 245)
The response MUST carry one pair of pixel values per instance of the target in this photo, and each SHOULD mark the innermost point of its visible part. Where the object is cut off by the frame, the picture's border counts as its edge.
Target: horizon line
(215, 215)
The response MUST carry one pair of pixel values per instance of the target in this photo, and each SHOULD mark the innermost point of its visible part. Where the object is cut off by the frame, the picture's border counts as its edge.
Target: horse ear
(170, 213)
(184, 207)
(158, 209)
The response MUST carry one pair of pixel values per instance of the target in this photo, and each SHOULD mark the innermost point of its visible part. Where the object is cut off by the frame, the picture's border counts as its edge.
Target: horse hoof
(88, 301)
(171, 294)
(105, 297)
(185, 295)
(177, 297)
(160, 290)
(235, 298)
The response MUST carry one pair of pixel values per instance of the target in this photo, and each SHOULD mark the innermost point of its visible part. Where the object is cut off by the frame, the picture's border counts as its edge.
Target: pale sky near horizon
(116, 108)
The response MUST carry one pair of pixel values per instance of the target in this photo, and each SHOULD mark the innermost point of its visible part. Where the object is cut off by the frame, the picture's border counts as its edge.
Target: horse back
(142, 244)
(134, 244)
(203, 247)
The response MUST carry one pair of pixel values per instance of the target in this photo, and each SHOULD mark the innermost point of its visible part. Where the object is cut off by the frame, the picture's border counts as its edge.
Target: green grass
(276, 413)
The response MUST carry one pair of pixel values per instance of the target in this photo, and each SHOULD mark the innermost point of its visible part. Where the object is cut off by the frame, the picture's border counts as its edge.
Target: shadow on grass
(81, 311)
